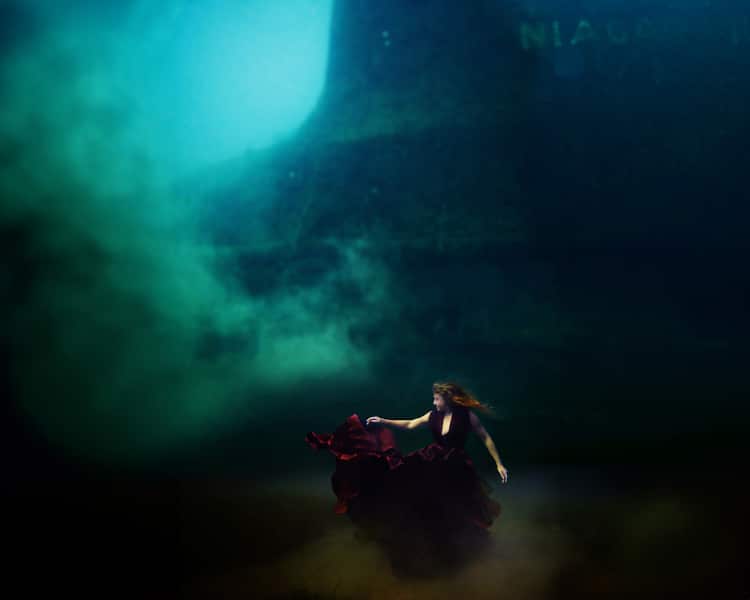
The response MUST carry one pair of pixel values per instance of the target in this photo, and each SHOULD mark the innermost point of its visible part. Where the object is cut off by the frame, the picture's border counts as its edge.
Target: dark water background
(562, 227)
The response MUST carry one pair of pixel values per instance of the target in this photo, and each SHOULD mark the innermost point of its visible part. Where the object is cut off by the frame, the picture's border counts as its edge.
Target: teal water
(225, 224)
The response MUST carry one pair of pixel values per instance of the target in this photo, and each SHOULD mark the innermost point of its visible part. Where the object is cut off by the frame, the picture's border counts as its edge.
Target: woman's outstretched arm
(401, 423)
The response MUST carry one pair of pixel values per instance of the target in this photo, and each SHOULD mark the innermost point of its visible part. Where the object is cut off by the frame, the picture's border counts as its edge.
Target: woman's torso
(459, 427)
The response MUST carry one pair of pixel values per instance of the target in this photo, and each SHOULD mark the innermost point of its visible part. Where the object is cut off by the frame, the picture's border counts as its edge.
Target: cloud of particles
(111, 295)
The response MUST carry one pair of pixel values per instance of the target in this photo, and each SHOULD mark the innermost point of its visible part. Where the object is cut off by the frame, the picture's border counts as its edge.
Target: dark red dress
(428, 502)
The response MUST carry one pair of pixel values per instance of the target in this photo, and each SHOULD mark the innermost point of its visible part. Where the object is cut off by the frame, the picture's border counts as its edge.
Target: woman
(430, 503)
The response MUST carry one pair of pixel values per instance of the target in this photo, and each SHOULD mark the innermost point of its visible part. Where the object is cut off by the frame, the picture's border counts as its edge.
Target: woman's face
(438, 401)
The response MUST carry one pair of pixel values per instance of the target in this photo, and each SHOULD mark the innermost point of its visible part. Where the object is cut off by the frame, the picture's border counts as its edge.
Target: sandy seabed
(564, 532)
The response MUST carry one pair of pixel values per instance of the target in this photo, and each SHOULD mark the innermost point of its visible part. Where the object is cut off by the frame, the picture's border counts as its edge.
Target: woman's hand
(503, 472)
(374, 420)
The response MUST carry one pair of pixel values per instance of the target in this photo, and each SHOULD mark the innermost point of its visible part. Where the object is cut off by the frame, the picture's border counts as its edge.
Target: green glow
(107, 335)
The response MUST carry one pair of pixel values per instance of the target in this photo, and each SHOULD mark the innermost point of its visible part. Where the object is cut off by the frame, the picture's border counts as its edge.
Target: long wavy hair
(456, 394)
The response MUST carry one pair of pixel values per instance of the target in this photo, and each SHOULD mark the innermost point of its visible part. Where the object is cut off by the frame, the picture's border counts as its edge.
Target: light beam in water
(218, 77)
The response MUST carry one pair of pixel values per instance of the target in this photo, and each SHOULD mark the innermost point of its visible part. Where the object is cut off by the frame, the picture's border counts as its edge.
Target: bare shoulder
(476, 424)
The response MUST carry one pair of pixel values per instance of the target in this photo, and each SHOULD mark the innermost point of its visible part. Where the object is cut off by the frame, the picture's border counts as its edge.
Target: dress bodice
(459, 427)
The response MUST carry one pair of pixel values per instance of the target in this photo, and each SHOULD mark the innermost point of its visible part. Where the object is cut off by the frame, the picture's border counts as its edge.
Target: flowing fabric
(428, 500)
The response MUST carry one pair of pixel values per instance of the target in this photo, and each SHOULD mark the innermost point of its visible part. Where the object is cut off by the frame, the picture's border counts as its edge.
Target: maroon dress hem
(431, 487)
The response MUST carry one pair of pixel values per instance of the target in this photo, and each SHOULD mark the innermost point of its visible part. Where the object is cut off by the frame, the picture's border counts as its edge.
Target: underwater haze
(227, 223)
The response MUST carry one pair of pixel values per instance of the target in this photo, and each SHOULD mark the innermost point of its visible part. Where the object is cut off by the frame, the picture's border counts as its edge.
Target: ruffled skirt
(430, 503)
